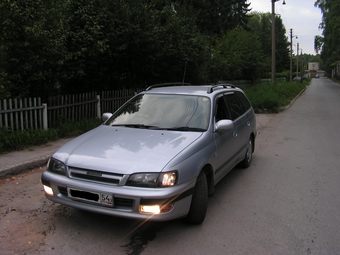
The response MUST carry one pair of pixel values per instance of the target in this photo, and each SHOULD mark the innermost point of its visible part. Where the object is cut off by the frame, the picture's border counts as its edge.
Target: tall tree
(28, 46)
(260, 23)
(239, 55)
(218, 16)
(330, 52)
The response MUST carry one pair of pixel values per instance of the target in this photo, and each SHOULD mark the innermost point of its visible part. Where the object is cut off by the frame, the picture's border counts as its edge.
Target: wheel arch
(209, 173)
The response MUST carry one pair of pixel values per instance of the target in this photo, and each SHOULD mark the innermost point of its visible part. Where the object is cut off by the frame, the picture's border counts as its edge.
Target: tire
(249, 155)
(199, 202)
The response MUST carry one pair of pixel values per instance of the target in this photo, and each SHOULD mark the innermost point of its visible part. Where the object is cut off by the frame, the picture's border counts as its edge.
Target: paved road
(287, 202)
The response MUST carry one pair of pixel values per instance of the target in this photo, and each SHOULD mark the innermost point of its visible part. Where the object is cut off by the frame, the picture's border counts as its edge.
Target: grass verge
(268, 98)
(19, 140)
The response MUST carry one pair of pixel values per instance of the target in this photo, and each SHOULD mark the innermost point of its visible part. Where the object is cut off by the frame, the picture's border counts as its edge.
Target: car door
(240, 118)
(225, 140)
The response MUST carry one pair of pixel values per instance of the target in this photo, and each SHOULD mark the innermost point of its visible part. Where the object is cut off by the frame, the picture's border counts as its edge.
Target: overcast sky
(300, 15)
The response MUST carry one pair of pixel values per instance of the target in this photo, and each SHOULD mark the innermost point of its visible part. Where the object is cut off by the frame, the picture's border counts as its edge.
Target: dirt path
(25, 214)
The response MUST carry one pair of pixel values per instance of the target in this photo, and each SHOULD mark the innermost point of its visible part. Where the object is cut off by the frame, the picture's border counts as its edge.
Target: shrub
(271, 98)
(18, 140)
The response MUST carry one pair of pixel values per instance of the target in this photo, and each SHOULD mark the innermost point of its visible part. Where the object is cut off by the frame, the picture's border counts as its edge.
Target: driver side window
(222, 112)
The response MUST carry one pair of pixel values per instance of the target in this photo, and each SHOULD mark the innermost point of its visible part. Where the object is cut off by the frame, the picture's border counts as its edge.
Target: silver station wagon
(159, 156)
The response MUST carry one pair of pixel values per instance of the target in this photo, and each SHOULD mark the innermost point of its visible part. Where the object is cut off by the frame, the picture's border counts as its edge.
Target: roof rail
(211, 89)
(169, 84)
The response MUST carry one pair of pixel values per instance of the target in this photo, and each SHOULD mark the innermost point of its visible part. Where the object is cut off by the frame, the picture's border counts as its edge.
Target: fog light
(48, 190)
(155, 209)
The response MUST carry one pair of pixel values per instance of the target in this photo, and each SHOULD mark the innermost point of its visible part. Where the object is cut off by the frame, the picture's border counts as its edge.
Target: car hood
(125, 150)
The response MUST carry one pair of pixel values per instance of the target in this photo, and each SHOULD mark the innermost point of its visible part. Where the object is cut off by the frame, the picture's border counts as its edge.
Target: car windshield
(158, 111)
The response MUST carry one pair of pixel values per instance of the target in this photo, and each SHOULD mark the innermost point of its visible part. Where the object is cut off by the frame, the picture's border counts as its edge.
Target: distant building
(313, 66)
(314, 69)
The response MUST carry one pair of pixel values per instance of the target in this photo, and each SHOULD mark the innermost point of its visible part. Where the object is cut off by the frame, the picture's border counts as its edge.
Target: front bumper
(126, 199)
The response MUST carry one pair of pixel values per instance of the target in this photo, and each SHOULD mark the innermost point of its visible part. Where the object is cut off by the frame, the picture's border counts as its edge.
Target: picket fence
(31, 113)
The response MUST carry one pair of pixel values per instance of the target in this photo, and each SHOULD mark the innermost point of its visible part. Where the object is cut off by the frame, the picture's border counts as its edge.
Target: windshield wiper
(186, 128)
(142, 126)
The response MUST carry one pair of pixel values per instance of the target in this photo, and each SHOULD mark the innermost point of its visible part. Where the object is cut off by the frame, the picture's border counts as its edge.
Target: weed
(271, 98)
(19, 140)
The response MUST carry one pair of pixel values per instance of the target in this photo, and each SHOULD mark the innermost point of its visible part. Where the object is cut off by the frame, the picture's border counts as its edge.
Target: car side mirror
(224, 125)
(106, 116)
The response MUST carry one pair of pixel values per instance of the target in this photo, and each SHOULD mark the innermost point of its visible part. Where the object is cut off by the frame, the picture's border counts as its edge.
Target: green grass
(268, 98)
(19, 140)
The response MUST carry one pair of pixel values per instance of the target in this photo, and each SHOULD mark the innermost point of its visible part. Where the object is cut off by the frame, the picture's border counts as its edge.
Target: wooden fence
(71, 108)
(30, 113)
(20, 114)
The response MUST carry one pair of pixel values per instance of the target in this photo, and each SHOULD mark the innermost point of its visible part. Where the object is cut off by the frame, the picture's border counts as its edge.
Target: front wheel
(199, 202)
(249, 155)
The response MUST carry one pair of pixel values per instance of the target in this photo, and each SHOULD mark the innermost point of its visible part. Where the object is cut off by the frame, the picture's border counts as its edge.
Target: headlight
(153, 180)
(56, 166)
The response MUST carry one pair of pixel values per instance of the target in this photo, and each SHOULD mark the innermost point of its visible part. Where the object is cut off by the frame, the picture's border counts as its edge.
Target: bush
(270, 98)
(18, 140)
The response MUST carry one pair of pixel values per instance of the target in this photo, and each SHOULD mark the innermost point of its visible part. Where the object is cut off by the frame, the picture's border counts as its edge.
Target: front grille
(92, 175)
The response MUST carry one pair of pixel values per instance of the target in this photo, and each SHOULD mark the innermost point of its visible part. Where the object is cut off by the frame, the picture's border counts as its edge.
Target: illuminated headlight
(56, 166)
(153, 180)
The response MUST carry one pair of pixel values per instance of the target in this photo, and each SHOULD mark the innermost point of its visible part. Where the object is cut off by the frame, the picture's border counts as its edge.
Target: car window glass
(244, 100)
(235, 106)
(221, 110)
(164, 111)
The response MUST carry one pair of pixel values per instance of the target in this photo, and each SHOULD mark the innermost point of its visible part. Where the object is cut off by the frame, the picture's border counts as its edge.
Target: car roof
(188, 89)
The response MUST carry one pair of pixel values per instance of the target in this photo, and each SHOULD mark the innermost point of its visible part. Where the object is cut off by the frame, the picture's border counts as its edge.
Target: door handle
(235, 134)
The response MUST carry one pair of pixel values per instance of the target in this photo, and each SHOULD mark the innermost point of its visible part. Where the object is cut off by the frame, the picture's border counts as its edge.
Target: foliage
(260, 24)
(271, 98)
(329, 44)
(215, 17)
(238, 55)
(68, 46)
(246, 53)
(12, 140)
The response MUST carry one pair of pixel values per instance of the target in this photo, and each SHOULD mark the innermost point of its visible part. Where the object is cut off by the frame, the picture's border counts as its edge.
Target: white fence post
(45, 123)
(98, 107)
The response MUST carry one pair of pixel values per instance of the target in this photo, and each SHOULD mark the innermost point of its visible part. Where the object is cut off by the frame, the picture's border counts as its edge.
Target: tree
(239, 55)
(215, 17)
(28, 46)
(318, 43)
(260, 23)
(330, 51)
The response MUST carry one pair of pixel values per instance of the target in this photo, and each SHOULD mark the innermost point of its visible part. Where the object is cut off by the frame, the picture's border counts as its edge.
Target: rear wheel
(199, 202)
(249, 154)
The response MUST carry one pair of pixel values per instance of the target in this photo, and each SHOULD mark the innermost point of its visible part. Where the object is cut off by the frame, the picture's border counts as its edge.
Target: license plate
(89, 196)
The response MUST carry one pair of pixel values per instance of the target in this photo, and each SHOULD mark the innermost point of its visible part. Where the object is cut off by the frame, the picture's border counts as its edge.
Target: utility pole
(302, 70)
(297, 60)
(273, 42)
(291, 53)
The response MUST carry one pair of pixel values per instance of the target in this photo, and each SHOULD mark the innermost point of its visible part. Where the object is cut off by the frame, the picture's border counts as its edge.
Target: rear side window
(245, 102)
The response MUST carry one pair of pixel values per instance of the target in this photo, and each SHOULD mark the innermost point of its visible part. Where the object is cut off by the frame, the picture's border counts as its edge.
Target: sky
(300, 15)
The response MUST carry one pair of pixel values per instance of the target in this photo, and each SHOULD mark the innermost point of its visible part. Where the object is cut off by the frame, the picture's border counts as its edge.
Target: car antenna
(185, 70)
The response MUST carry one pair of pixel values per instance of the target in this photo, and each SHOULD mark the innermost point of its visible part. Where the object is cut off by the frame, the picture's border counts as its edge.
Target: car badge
(94, 173)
